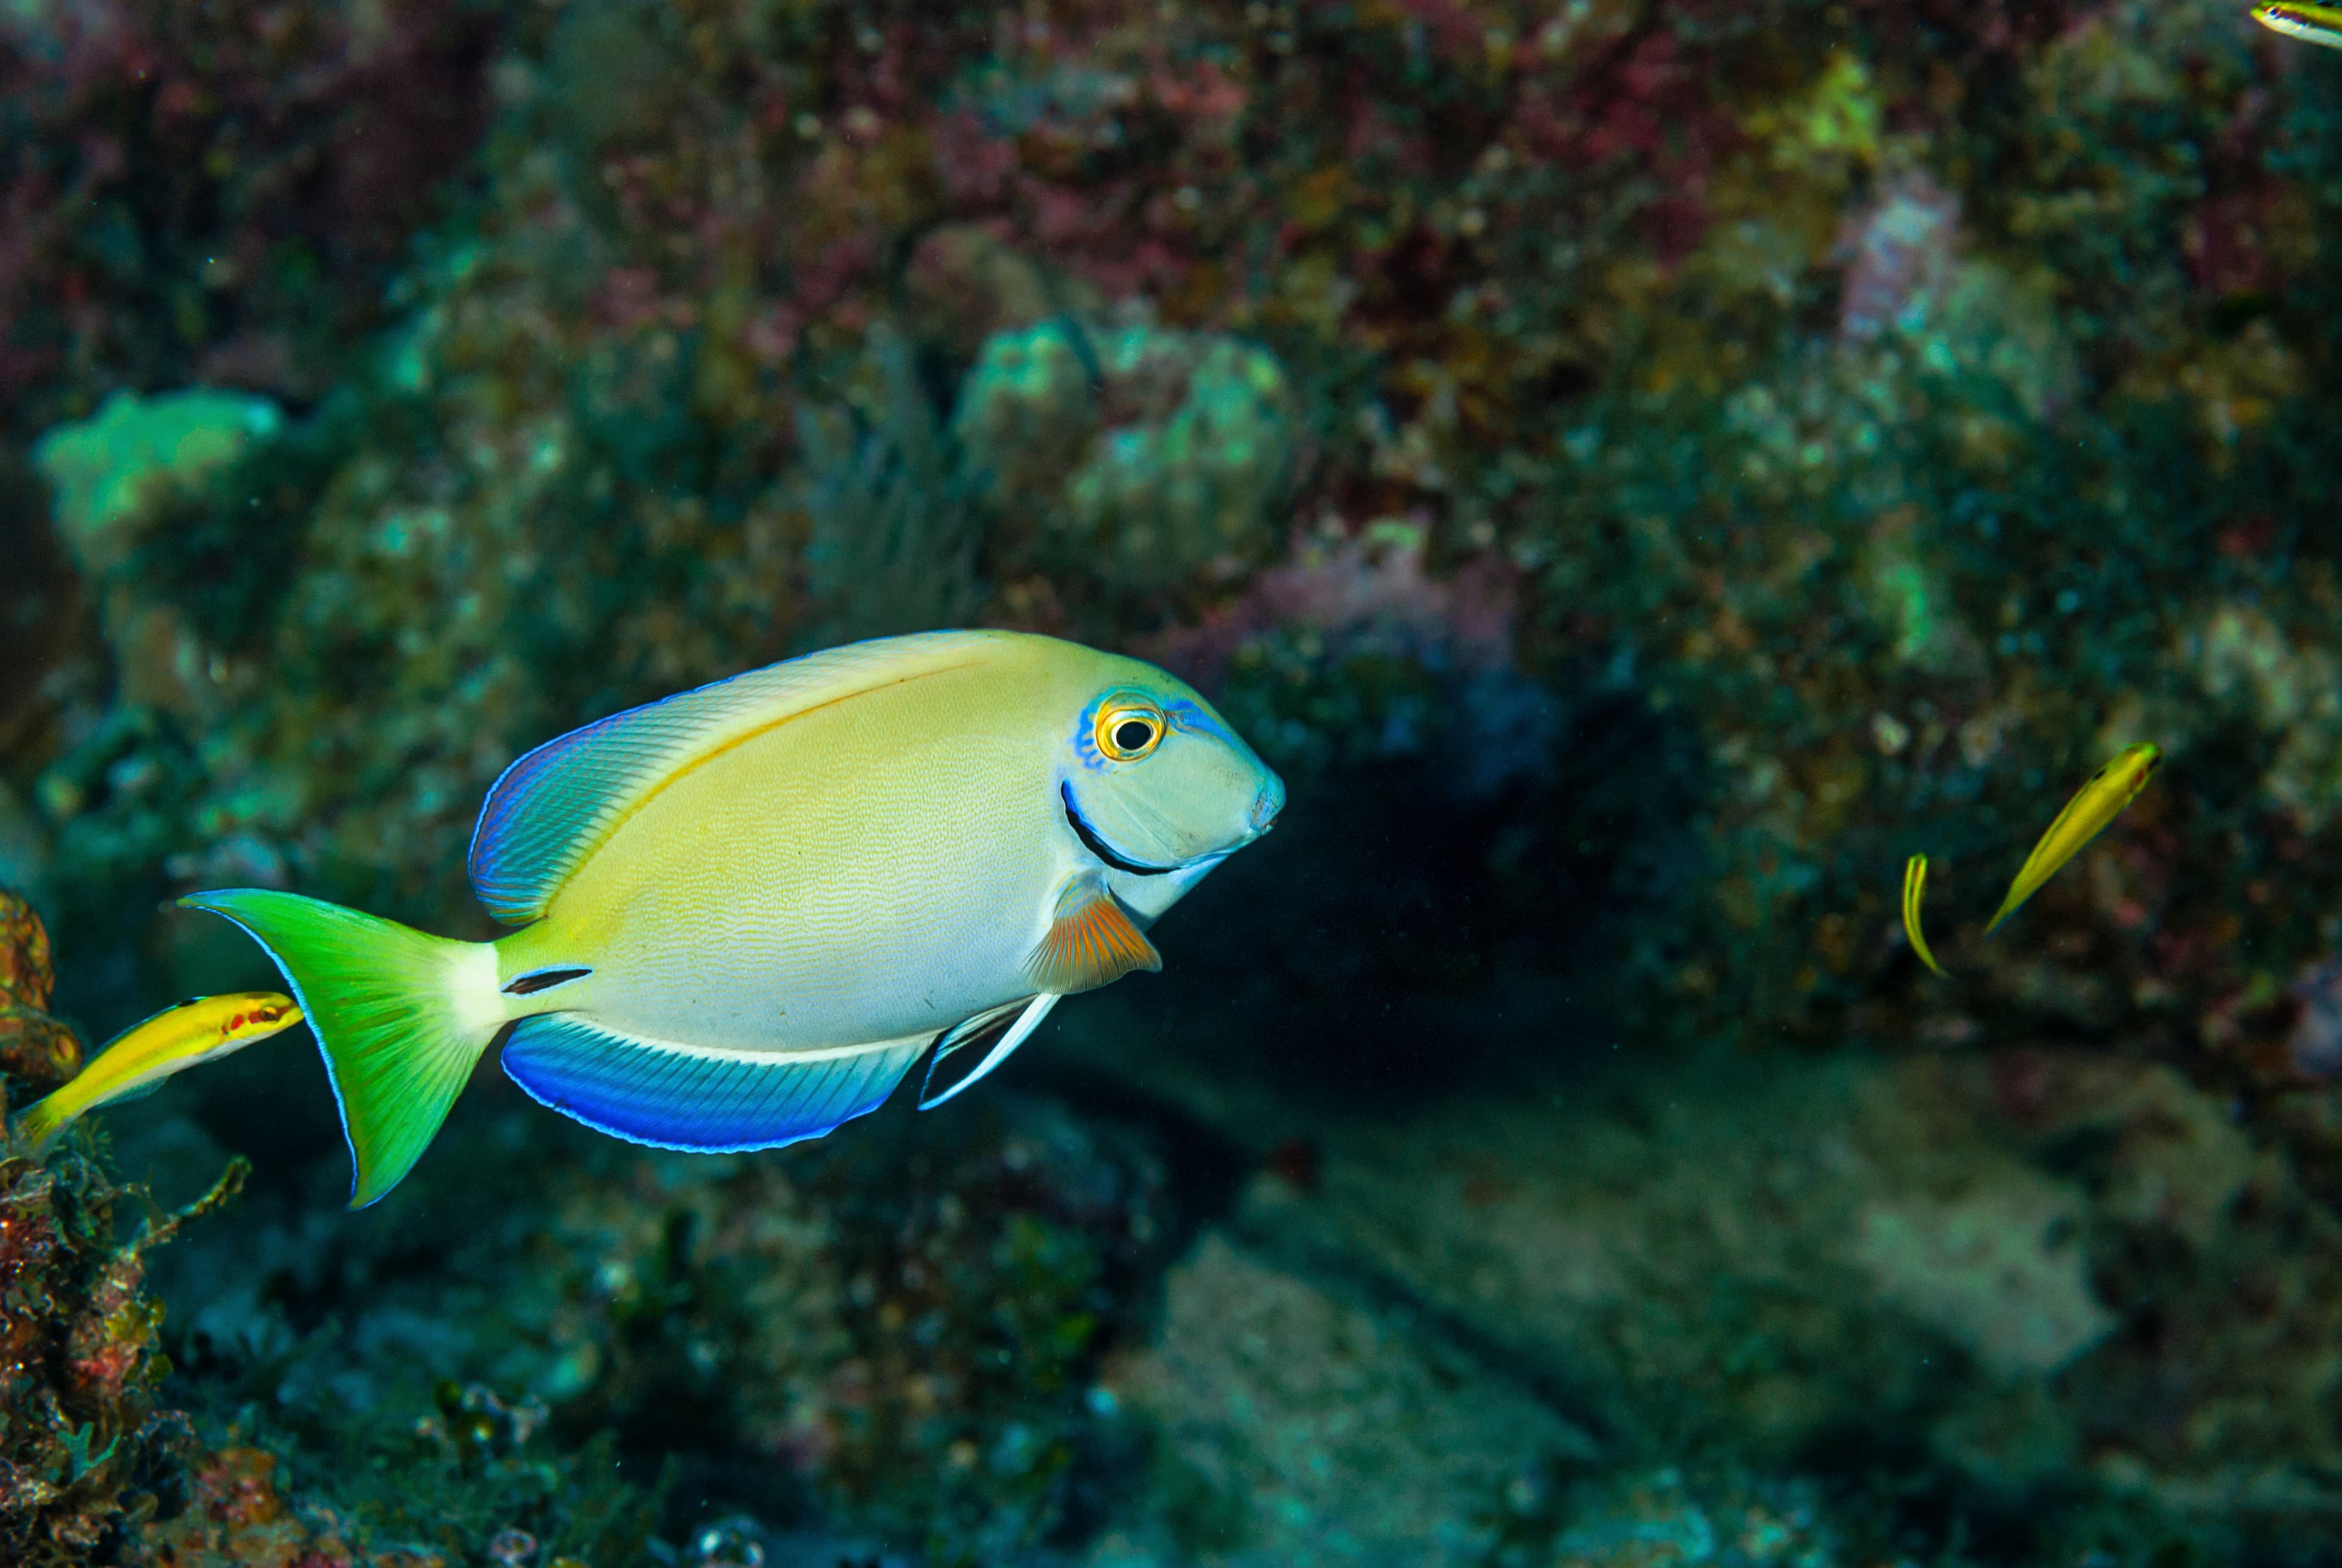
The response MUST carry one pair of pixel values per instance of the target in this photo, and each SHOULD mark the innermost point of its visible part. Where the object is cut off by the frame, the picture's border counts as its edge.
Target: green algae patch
(109, 468)
(1150, 452)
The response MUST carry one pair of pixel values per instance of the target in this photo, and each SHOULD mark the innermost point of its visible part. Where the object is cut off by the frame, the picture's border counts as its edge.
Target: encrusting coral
(83, 1445)
(96, 1467)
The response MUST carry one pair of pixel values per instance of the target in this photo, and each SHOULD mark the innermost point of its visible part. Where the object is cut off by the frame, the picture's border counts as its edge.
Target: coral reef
(2001, 1297)
(1823, 553)
(84, 1447)
(1892, 482)
(1152, 454)
(1640, 473)
(1297, 1424)
(211, 193)
(96, 1465)
(100, 470)
(464, 1488)
(900, 1333)
(37, 1051)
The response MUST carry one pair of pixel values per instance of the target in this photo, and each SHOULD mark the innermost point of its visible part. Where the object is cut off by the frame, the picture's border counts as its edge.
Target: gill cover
(1157, 781)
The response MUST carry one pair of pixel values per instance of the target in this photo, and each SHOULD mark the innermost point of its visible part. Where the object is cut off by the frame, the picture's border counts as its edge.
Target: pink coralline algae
(1359, 594)
(2315, 1047)
(1900, 254)
(2231, 239)
(1650, 111)
(222, 152)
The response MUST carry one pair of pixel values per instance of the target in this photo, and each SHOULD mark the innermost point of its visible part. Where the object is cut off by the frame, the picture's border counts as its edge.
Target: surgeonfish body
(2310, 23)
(174, 1039)
(2096, 804)
(745, 911)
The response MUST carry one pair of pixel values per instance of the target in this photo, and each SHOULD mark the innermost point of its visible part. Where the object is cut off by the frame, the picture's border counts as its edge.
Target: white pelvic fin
(1024, 1023)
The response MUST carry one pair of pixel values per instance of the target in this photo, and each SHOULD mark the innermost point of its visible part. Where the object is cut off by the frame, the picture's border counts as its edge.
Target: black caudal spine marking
(543, 980)
(1098, 846)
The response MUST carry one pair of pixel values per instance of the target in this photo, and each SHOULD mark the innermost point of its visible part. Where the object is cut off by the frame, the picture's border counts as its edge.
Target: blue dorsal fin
(687, 1098)
(551, 809)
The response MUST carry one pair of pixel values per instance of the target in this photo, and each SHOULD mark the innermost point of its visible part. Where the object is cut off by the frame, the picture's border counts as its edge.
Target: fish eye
(1129, 728)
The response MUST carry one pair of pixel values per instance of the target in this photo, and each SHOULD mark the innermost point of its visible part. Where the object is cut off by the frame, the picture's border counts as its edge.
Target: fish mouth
(1267, 806)
(1098, 846)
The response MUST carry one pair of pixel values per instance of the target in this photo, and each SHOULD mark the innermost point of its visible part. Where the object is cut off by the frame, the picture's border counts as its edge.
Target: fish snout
(1267, 804)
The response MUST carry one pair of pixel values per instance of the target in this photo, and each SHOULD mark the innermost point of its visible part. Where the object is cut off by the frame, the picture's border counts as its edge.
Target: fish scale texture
(674, 1099)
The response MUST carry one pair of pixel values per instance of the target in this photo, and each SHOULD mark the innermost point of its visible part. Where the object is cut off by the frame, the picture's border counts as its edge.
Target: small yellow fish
(176, 1039)
(2097, 802)
(1915, 887)
(2310, 23)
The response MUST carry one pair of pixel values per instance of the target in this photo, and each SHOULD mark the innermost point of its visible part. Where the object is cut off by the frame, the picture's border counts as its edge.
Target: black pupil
(1132, 735)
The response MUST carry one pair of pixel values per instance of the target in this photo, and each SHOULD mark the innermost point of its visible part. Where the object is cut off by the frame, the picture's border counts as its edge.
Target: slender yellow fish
(2310, 23)
(176, 1039)
(742, 913)
(1915, 887)
(2098, 803)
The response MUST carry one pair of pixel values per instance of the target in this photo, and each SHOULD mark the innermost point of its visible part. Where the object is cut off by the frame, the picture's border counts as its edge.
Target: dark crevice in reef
(1417, 915)
(1205, 1167)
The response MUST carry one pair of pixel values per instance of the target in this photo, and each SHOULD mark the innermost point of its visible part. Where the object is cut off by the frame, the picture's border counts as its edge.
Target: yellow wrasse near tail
(745, 911)
(2096, 804)
(1914, 889)
(2310, 23)
(176, 1039)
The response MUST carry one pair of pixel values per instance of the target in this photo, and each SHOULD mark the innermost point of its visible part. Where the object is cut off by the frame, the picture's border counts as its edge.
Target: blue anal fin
(678, 1097)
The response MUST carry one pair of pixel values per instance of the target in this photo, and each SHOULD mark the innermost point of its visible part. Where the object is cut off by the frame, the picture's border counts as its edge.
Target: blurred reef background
(1639, 470)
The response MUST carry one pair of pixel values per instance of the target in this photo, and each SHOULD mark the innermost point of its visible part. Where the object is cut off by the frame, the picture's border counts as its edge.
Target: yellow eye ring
(1127, 728)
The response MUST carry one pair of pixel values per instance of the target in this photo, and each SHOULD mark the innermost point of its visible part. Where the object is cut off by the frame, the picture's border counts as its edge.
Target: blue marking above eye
(1193, 720)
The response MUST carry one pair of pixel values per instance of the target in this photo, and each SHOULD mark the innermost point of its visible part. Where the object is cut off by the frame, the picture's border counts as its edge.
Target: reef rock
(105, 469)
(1149, 452)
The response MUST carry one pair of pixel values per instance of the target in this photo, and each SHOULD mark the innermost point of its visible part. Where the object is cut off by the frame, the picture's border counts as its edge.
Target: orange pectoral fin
(1091, 942)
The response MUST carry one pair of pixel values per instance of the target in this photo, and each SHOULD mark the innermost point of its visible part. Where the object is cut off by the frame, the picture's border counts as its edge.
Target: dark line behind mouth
(1098, 846)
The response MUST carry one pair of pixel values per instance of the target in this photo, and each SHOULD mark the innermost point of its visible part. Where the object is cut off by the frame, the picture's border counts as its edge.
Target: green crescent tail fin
(402, 1018)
